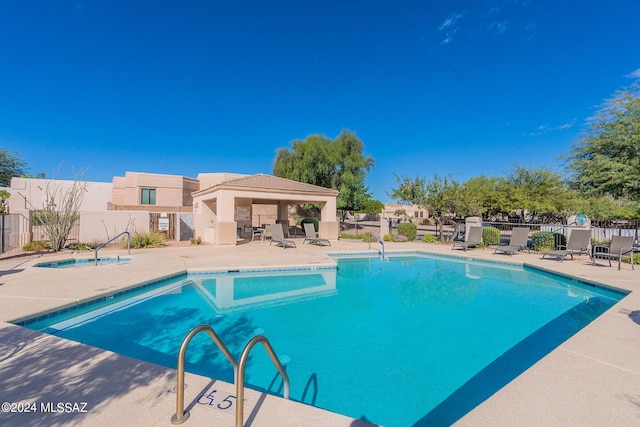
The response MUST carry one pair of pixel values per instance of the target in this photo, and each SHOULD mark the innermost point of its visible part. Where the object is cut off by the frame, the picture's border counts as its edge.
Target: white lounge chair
(473, 239)
(517, 241)
(619, 247)
(577, 244)
(312, 237)
(277, 237)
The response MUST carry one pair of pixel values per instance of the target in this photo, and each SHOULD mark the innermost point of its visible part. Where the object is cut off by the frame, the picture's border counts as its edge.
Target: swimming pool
(408, 340)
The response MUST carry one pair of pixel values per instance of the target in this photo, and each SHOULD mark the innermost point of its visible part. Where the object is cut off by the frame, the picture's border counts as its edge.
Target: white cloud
(450, 26)
(545, 129)
(450, 21)
(634, 74)
(498, 27)
(567, 125)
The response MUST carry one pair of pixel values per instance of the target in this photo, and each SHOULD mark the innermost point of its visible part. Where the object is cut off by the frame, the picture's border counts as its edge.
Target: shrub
(408, 230)
(545, 240)
(146, 240)
(490, 236)
(83, 246)
(400, 238)
(429, 238)
(350, 236)
(387, 237)
(36, 246)
(636, 259)
(196, 241)
(368, 237)
(426, 222)
(315, 222)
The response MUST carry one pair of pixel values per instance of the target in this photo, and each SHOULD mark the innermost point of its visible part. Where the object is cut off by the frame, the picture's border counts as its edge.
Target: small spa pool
(68, 263)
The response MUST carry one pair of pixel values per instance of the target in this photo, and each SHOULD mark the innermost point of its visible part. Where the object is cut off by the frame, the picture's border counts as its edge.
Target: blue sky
(459, 88)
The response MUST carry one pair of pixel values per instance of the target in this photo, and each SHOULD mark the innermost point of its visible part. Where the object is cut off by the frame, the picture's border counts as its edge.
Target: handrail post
(240, 375)
(111, 240)
(181, 415)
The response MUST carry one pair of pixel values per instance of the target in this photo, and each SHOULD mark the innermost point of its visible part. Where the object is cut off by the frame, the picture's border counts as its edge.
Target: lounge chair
(577, 244)
(517, 241)
(473, 239)
(312, 237)
(620, 246)
(277, 237)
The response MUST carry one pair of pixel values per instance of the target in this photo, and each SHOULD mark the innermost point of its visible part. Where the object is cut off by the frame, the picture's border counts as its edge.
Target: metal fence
(11, 235)
(601, 230)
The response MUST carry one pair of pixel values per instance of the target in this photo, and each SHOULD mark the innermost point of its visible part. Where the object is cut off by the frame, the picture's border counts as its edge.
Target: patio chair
(473, 239)
(620, 246)
(259, 233)
(277, 237)
(577, 244)
(517, 241)
(312, 237)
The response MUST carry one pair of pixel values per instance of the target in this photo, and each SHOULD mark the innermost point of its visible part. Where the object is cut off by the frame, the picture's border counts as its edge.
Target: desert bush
(36, 245)
(146, 240)
(368, 237)
(490, 236)
(388, 237)
(545, 240)
(408, 230)
(400, 238)
(429, 238)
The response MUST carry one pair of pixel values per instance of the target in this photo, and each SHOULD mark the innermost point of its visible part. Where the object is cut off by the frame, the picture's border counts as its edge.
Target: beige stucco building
(216, 207)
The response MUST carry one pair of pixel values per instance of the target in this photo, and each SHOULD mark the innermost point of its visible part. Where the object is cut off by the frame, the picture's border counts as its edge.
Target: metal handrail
(181, 415)
(379, 241)
(240, 375)
(105, 244)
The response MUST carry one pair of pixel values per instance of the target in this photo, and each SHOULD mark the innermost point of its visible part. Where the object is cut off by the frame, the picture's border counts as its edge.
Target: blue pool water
(68, 263)
(409, 340)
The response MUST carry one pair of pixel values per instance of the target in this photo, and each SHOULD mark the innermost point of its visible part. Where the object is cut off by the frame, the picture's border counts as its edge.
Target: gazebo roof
(269, 183)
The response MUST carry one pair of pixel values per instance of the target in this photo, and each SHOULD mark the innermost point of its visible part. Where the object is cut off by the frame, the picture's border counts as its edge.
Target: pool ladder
(238, 371)
(375, 236)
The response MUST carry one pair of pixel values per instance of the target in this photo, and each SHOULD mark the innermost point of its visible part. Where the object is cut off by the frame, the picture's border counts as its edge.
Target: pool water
(408, 340)
(68, 263)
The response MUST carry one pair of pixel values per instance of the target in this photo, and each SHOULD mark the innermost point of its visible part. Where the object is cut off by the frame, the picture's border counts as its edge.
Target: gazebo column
(328, 228)
(283, 217)
(226, 225)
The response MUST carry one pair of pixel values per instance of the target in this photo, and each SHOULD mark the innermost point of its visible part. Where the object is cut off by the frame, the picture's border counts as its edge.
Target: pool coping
(523, 409)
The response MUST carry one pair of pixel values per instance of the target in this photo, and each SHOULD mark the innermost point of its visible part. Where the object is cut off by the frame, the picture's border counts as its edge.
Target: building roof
(270, 183)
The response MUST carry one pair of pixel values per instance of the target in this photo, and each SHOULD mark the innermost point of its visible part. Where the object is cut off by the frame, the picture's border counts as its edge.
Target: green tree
(440, 196)
(339, 164)
(483, 196)
(4, 195)
(532, 192)
(371, 206)
(10, 166)
(606, 160)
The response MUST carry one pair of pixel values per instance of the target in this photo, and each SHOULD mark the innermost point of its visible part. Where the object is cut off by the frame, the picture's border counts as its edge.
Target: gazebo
(222, 211)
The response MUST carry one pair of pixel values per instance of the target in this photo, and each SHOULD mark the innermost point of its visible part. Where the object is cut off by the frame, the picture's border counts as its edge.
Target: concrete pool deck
(592, 379)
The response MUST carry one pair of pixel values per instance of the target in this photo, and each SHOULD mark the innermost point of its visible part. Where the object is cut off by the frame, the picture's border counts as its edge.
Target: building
(215, 207)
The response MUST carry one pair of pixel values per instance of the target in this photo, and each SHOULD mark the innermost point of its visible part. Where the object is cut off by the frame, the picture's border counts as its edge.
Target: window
(148, 196)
